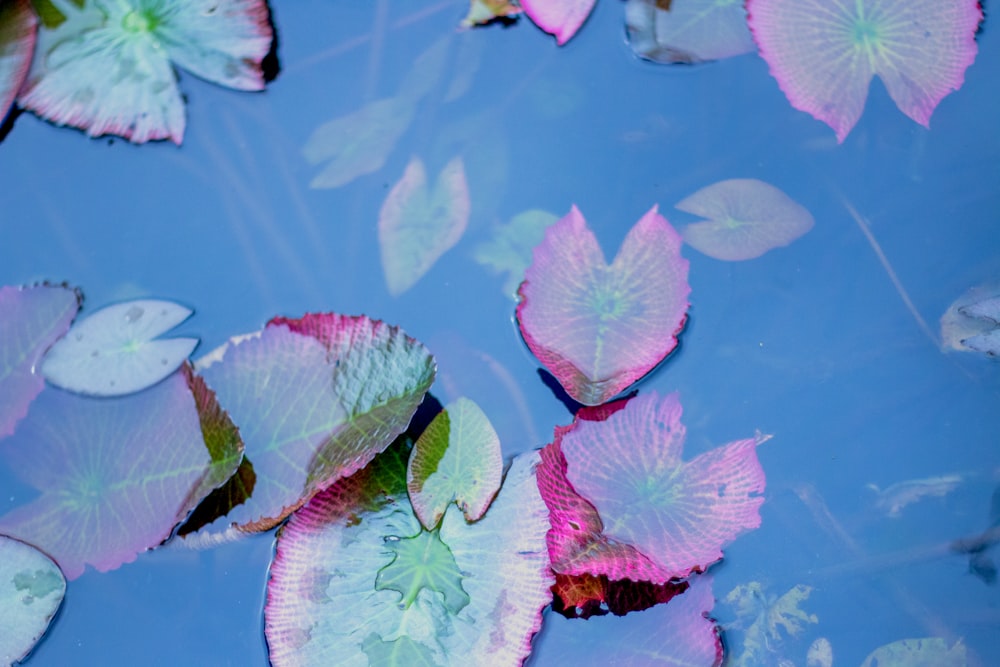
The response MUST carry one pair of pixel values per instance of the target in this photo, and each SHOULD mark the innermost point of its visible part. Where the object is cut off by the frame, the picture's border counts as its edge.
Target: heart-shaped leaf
(824, 53)
(115, 351)
(416, 225)
(315, 399)
(114, 477)
(687, 31)
(509, 251)
(31, 319)
(31, 590)
(456, 459)
(18, 28)
(599, 328)
(561, 18)
(106, 67)
(746, 218)
(355, 580)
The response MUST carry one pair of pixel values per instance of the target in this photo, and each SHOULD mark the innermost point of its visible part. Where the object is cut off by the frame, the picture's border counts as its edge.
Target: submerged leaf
(324, 605)
(315, 400)
(895, 497)
(116, 350)
(107, 68)
(929, 651)
(417, 225)
(456, 459)
(18, 29)
(561, 18)
(31, 590)
(766, 620)
(824, 53)
(114, 476)
(745, 219)
(509, 251)
(599, 328)
(972, 321)
(687, 31)
(31, 319)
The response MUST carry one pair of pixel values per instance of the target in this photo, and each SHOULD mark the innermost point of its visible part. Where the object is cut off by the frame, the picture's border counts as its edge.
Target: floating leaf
(824, 53)
(687, 31)
(417, 226)
(107, 68)
(114, 476)
(31, 590)
(561, 18)
(509, 251)
(972, 321)
(31, 319)
(315, 399)
(115, 351)
(767, 621)
(623, 504)
(18, 28)
(599, 328)
(929, 651)
(470, 594)
(746, 218)
(484, 11)
(457, 458)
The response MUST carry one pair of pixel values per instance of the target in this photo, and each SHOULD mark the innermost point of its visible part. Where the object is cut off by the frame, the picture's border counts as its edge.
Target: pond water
(816, 343)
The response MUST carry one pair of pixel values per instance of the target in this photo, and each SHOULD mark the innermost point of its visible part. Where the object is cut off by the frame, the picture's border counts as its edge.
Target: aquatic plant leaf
(114, 476)
(18, 29)
(358, 143)
(623, 504)
(115, 351)
(426, 71)
(746, 218)
(107, 68)
(315, 399)
(891, 500)
(599, 328)
(561, 18)
(31, 319)
(509, 251)
(687, 31)
(585, 595)
(766, 620)
(986, 309)
(422, 562)
(824, 53)
(972, 321)
(484, 11)
(820, 653)
(322, 604)
(31, 590)
(929, 651)
(456, 459)
(416, 226)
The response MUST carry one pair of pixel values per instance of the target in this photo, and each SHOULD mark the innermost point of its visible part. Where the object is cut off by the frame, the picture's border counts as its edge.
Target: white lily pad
(31, 590)
(115, 352)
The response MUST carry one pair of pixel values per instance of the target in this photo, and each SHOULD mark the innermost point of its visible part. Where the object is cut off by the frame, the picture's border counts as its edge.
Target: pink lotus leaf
(18, 30)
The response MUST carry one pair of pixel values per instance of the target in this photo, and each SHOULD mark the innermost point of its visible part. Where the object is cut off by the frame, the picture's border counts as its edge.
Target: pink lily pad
(687, 31)
(824, 53)
(31, 320)
(114, 476)
(315, 399)
(18, 29)
(623, 504)
(561, 18)
(106, 67)
(745, 219)
(599, 328)
(417, 225)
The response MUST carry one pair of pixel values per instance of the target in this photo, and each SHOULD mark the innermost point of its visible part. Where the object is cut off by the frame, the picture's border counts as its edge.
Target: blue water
(811, 343)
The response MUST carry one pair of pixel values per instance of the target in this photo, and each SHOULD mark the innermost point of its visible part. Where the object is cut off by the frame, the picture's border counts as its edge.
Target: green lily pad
(31, 590)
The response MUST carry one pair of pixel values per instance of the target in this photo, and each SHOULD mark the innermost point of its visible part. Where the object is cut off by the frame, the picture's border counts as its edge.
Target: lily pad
(624, 504)
(18, 29)
(509, 251)
(315, 399)
(31, 590)
(972, 321)
(824, 53)
(115, 351)
(355, 577)
(745, 219)
(456, 459)
(930, 651)
(114, 477)
(687, 31)
(31, 319)
(599, 328)
(106, 67)
(485, 11)
(561, 18)
(417, 225)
